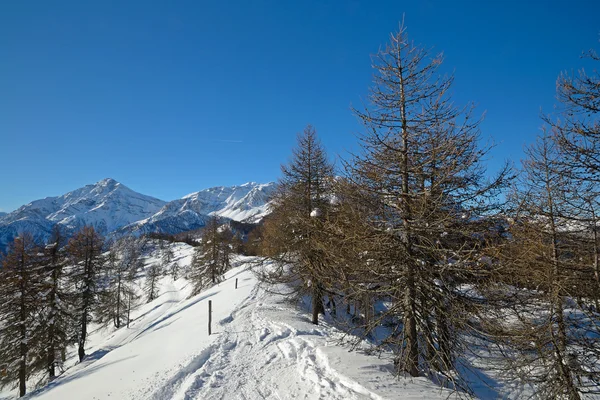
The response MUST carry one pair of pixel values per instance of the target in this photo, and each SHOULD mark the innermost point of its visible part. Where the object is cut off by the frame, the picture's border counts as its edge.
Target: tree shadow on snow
(86, 370)
(149, 311)
(172, 314)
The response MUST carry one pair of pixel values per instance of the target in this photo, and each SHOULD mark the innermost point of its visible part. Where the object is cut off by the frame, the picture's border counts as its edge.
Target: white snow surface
(261, 348)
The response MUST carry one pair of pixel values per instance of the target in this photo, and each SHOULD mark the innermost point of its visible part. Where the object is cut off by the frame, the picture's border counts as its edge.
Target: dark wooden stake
(209, 315)
(236, 282)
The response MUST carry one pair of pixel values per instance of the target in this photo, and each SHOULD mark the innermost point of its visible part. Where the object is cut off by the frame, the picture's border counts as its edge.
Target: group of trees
(49, 294)
(554, 251)
(434, 257)
(212, 257)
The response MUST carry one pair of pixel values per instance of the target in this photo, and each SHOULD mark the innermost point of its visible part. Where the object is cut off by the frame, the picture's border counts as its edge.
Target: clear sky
(170, 97)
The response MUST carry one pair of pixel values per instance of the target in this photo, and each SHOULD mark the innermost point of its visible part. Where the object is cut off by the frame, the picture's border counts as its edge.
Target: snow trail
(261, 348)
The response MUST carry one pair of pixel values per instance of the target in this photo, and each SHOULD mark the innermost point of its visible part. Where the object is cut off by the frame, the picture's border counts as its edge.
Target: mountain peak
(107, 182)
(107, 205)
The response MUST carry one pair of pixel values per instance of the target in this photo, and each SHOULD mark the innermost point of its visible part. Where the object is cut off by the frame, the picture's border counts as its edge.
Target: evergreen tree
(167, 253)
(212, 258)
(292, 233)
(153, 274)
(20, 291)
(85, 252)
(175, 270)
(58, 318)
(225, 238)
(123, 263)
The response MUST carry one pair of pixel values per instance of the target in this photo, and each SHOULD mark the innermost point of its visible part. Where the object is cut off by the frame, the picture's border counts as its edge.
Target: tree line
(421, 251)
(51, 293)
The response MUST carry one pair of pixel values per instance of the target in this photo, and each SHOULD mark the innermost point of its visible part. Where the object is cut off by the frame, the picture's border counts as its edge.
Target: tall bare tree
(420, 184)
(576, 129)
(543, 267)
(552, 257)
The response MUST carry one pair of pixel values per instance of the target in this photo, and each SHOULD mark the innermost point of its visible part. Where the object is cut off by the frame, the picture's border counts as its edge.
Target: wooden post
(236, 282)
(209, 315)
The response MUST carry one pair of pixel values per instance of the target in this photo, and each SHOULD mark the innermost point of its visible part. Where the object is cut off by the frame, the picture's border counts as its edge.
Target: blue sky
(170, 97)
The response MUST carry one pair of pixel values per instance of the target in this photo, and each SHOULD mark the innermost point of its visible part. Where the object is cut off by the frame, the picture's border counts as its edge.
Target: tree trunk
(317, 303)
(128, 308)
(83, 335)
(411, 360)
(559, 334)
(118, 316)
(23, 330)
(432, 357)
(23, 351)
(444, 343)
(410, 323)
(51, 349)
(333, 305)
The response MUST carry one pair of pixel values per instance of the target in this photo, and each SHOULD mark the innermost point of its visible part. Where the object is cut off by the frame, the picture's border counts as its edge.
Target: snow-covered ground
(261, 348)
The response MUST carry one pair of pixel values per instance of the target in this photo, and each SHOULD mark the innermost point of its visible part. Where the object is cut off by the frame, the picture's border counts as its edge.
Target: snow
(111, 207)
(262, 347)
(248, 202)
(106, 205)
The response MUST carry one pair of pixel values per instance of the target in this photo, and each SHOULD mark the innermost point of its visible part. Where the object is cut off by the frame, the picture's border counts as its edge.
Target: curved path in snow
(261, 348)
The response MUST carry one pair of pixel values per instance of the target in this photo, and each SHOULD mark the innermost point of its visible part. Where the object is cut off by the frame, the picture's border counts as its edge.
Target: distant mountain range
(114, 209)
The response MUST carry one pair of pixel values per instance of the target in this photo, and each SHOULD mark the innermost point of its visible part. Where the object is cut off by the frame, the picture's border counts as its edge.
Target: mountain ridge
(114, 209)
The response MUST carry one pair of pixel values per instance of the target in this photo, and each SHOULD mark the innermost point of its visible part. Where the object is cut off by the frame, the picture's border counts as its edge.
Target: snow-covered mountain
(2, 214)
(111, 207)
(106, 205)
(248, 202)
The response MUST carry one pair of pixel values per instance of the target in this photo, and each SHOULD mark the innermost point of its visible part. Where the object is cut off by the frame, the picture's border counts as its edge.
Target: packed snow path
(261, 348)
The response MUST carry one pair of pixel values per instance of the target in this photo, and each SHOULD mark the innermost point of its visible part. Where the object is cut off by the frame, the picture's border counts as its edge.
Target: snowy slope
(247, 202)
(107, 205)
(261, 348)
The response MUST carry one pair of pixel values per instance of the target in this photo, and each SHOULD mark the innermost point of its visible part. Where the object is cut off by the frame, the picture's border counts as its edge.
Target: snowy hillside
(112, 207)
(261, 348)
(107, 205)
